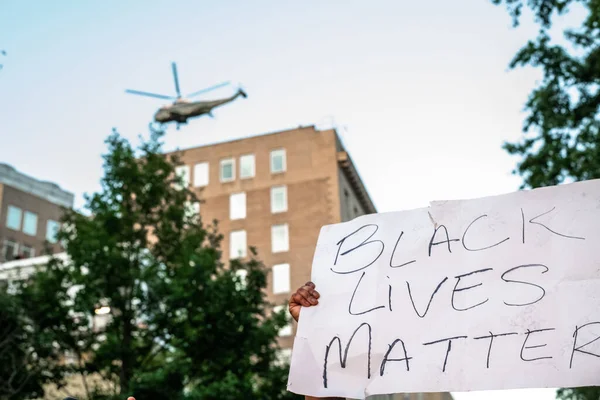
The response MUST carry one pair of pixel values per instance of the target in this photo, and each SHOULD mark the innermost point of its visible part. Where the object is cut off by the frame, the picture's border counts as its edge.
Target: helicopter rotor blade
(207, 89)
(158, 96)
(176, 79)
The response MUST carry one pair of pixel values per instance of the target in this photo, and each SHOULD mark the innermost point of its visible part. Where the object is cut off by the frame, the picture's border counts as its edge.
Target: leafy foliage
(562, 136)
(562, 130)
(182, 324)
(17, 377)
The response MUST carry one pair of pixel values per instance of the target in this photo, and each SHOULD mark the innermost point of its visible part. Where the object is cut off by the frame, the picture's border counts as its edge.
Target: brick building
(275, 192)
(29, 213)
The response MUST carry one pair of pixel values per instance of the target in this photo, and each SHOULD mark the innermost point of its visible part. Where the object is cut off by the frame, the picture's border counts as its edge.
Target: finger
(310, 284)
(301, 297)
(312, 291)
(308, 296)
(305, 296)
(130, 398)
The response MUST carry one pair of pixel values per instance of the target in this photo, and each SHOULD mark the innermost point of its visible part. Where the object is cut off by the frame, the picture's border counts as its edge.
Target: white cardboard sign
(494, 293)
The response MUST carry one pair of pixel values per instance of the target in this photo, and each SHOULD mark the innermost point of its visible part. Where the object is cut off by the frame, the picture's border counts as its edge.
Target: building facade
(30, 211)
(275, 192)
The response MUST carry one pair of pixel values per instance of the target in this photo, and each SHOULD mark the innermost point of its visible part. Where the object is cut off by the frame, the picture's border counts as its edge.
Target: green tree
(18, 376)
(561, 140)
(562, 129)
(182, 323)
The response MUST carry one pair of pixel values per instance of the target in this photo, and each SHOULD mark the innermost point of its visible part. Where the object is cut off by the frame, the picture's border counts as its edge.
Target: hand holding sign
(305, 296)
(493, 293)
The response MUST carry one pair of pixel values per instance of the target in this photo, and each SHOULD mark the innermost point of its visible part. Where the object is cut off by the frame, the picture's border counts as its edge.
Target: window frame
(186, 175)
(285, 199)
(244, 248)
(196, 173)
(25, 215)
(8, 214)
(31, 248)
(241, 215)
(246, 157)
(223, 162)
(15, 249)
(287, 234)
(278, 269)
(275, 153)
(48, 223)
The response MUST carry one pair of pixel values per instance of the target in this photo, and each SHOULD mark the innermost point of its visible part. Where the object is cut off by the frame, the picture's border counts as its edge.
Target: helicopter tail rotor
(241, 91)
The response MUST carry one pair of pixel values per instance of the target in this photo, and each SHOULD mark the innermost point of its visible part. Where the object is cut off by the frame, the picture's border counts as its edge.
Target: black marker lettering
(448, 349)
(526, 283)
(531, 221)
(394, 252)
(345, 357)
(491, 336)
(362, 244)
(390, 295)
(481, 248)
(448, 240)
(533, 347)
(430, 299)
(523, 225)
(352, 299)
(457, 289)
(386, 359)
(578, 348)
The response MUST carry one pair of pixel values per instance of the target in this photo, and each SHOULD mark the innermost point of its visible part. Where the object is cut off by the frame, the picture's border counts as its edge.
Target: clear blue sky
(422, 86)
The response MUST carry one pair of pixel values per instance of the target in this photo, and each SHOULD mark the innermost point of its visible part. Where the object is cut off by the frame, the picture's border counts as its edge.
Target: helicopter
(183, 108)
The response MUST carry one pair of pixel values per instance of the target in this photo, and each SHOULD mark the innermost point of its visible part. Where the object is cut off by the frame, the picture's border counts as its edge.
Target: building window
(247, 166)
(13, 218)
(196, 207)
(227, 170)
(237, 244)
(287, 329)
(201, 174)
(10, 250)
(278, 199)
(241, 275)
(52, 228)
(278, 162)
(284, 356)
(280, 241)
(27, 251)
(281, 278)
(30, 223)
(192, 210)
(237, 206)
(183, 172)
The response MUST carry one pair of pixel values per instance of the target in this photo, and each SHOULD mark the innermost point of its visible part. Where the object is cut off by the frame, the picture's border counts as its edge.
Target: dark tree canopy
(561, 141)
(562, 130)
(183, 324)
